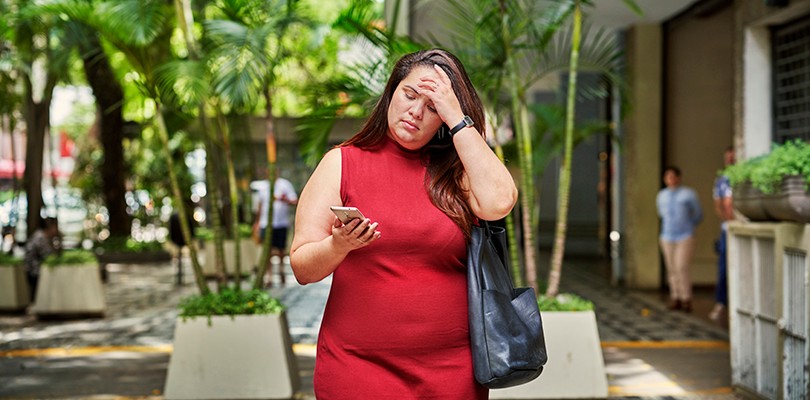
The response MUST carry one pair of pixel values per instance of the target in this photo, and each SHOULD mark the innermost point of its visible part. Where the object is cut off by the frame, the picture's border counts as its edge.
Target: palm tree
(31, 40)
(510, 45)
(564, 185)
(110, 119)
(248, 43)
(10, 98)
(358, 85)
(505, 43)
(141, 31)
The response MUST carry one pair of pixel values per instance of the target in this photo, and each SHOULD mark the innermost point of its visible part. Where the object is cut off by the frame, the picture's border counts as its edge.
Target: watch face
(468, 120)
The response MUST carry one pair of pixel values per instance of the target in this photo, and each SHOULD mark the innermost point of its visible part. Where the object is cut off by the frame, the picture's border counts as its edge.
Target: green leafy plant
(564, 302)
(230, 302)
(766, 172)
(127, 245)
(70, 257)
(8, 260)
(741, 171)
(207, 234)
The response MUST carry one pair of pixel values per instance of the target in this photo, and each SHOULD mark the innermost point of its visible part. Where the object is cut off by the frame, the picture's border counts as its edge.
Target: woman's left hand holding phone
(355, 234)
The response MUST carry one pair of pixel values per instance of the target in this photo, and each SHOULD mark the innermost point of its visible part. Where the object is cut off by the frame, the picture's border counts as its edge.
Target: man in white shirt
(284, 197)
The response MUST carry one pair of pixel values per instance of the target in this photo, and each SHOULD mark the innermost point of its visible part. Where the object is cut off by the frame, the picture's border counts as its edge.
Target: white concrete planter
(249, 255)
(70, 290)
(247, 357)
(14, 295)
(575, 368)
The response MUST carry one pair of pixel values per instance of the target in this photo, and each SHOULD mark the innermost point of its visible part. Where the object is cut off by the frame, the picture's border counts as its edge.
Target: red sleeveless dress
(395, 324)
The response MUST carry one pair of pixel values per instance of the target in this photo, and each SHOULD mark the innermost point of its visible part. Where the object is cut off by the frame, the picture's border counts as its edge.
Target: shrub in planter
(14, 294)
(241, 350)
(241, 347)
(572, 342)
(70, 285)
(74, 257)
(230, 302)
(8, 260)
(779, 181)
(128, 250)
(564, 302)
(789, 159)
(748, 200)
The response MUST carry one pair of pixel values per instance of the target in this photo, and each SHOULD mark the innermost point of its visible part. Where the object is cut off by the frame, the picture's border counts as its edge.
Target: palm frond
(134, 22)
(182, 83)
(313, 133)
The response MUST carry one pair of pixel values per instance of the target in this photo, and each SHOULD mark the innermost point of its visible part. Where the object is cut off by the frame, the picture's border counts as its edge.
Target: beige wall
(641, 152)
(698, 116)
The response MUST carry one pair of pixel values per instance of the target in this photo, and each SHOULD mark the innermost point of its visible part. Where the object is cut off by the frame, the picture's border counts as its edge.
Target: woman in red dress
(395, 324)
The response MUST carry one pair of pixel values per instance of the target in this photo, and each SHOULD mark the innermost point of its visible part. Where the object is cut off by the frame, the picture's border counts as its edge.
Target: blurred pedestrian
(724, 208)
(284, 196)
(680, 212)
(42, 243)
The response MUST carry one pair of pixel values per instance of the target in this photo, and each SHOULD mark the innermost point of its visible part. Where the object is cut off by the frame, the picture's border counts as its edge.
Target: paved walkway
(650, 353)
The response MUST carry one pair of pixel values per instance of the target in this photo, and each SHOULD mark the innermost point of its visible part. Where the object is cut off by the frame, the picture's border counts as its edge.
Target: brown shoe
(674, 304)
(686, 306)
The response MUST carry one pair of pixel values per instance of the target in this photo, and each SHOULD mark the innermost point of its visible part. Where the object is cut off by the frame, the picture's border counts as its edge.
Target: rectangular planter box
(14, 294)
(70, 291)
(249, 253)
(575, 368)
(245, 357)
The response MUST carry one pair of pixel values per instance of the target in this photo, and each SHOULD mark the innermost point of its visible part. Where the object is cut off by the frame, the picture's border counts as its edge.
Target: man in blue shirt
(721, 193)
(680, 212)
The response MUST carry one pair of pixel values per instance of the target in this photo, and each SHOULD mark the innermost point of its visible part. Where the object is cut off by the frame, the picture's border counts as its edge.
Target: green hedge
(564, 302)
(70, 257)
(7, 260)
(230, 302)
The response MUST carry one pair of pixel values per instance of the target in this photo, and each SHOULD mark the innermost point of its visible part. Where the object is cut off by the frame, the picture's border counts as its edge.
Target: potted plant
(14, 293)
(747, 199)
(130, 251)
(70, 286)
(126, 250)
(778, 182)
(783, 175)
(251, 333)
(572, 341)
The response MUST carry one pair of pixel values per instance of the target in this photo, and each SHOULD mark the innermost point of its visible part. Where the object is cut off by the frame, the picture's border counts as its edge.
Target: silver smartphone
(347, 214)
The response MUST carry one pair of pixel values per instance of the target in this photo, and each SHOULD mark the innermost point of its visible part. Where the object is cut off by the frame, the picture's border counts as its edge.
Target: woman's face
(412, 119)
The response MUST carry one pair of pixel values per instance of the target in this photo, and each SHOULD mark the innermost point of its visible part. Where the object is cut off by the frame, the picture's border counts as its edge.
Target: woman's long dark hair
(444, 168)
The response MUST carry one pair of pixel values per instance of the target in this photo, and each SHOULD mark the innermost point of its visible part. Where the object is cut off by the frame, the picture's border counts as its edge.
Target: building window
(791, 70)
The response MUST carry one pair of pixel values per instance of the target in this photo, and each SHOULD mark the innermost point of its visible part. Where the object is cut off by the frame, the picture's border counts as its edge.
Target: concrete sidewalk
(650, 353)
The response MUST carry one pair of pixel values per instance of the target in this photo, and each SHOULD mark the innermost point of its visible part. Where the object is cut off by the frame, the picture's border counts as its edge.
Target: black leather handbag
(506, 332)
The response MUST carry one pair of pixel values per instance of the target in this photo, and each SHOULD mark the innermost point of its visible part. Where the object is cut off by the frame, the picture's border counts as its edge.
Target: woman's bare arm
(321, 241)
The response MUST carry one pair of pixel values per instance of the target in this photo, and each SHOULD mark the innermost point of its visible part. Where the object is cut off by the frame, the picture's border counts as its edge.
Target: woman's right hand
(354, 235)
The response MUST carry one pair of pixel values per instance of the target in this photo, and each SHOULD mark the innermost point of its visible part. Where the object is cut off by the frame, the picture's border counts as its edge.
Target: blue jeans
(721, 290)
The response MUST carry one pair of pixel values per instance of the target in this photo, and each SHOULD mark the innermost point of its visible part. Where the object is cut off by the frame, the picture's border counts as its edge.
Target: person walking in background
(396, 323)
(721, 193)
(680, 212)
(42, 243)
(284, 196)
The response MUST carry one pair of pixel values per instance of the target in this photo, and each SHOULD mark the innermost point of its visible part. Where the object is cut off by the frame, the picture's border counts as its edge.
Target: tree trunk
(109, 101)
(37, 116)
(270, 142)
(565, 172)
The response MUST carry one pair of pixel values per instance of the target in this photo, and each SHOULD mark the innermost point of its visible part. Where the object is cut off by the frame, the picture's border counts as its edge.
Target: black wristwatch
(465, 122)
